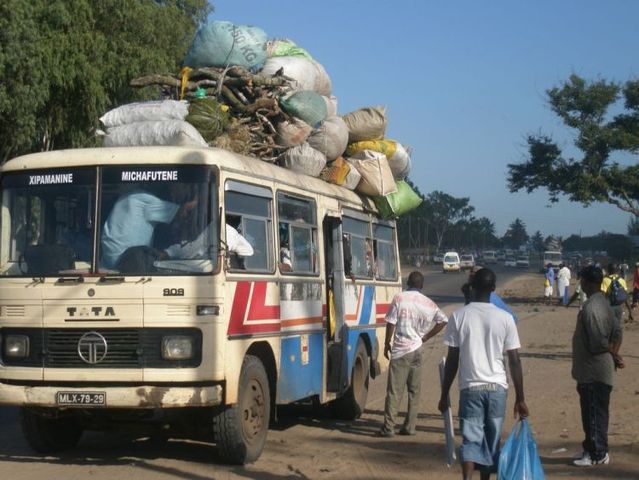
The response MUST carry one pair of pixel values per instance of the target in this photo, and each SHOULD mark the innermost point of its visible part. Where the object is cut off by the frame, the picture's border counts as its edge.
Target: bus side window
(384, 247)
(358, 245)
(250, 215)
(297, 229)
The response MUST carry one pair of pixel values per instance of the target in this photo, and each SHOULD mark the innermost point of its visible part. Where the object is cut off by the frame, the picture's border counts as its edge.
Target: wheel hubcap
(253, 411)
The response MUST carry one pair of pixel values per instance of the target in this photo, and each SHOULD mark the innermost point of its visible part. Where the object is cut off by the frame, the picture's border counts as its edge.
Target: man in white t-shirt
(477, 335)
(563, 284)
(412, 319)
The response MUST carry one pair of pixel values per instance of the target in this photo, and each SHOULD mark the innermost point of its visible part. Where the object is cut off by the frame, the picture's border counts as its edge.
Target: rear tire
(49, 435)
(240, 431)
(351, 405)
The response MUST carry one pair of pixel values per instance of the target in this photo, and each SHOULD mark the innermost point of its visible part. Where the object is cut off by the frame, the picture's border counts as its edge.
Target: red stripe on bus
(258, 309)
(238, 310)
(382, 308)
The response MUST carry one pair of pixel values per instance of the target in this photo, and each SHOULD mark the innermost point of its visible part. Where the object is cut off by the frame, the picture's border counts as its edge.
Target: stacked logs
(252, 100)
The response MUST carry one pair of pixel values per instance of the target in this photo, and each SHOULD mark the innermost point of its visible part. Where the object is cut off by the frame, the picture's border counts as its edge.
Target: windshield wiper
(112, 279)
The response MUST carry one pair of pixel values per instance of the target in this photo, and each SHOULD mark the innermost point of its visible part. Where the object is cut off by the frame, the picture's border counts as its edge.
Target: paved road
(300, 446)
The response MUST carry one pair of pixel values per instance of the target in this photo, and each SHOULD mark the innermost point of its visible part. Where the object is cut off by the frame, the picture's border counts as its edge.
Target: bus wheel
(49, 435)
(240, 431)
(351, 405)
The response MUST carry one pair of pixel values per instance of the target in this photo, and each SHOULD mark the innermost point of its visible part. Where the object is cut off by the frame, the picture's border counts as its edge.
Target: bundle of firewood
(252, 100)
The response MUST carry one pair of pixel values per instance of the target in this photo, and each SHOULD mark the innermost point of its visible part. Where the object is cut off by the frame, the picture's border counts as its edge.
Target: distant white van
(451, 262)
(489, 256)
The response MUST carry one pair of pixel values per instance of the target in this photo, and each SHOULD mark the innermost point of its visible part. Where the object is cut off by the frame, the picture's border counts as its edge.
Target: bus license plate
(85, 399)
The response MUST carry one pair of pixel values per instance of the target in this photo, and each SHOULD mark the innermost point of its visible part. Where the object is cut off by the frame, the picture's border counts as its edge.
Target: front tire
(351, 405)
(240, 431)
(49, 435)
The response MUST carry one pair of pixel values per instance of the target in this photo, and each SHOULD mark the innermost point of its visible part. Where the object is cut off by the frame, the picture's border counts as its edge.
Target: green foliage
(65, 62)
(445, 211)
(516, 234)
(619, 247)
(633, 226)
(442, 218)
(537, 241)
(586, 107)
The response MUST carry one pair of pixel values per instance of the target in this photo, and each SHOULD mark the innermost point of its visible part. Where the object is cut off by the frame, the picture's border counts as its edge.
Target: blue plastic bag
(221, 43)
(518, 459)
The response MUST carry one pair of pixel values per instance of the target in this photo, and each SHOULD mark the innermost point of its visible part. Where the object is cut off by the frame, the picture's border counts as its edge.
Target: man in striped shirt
(412, 319)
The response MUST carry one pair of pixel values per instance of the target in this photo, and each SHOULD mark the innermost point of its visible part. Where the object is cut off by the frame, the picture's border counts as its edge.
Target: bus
(123, 299)
(552, 258)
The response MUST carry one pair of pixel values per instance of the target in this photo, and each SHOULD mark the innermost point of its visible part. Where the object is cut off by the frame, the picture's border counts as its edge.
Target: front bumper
(141, 396)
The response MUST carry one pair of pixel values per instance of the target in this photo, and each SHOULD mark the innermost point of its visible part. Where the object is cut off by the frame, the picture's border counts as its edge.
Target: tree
(65, 62)
(537, 241)
(633, 226)
(516, 234)
(445, 211)
(587, 107)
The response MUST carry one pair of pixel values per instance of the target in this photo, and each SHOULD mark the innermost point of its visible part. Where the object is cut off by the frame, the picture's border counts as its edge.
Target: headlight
(16, 346)
(177, 347)
(208, 310)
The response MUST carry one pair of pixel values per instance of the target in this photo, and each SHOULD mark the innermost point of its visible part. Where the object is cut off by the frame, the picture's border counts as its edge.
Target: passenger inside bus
(237, 247)
(131, 224)
(286, 263)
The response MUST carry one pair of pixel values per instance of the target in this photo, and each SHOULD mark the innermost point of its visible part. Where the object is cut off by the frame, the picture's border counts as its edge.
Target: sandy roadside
(546, 334)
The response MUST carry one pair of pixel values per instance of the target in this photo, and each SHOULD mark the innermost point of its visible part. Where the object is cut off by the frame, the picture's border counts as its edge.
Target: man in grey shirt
(595, 356)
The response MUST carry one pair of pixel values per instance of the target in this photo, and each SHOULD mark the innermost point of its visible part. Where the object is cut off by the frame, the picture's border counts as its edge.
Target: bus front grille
(113, 348)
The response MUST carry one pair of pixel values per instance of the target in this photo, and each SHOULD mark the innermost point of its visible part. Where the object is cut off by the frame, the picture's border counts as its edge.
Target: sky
(464, 83)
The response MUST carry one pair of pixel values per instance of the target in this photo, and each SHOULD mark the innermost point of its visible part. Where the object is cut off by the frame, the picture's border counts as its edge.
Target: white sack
(303, 159)
(353, 178)
(145, 111)
(400, 163)
(377, 178)
(331, 138)
(293, 133)
(331, 105)
(306, 74)
(165, 132)
(323, 84)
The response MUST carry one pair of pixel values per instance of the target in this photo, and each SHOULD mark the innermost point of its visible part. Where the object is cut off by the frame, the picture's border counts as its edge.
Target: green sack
(306, 105)
(285, 48)
(208, 117)
(397, 204)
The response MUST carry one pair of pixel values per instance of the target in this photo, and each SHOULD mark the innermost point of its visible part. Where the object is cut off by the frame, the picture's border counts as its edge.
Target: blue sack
(221, 43)
(518, 459)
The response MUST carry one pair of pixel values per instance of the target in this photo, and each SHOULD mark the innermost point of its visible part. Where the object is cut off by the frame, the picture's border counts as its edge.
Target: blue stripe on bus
(297, 381)
(367, 305)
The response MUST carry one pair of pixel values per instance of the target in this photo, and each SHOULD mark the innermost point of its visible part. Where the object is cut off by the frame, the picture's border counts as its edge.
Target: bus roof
(224, 159)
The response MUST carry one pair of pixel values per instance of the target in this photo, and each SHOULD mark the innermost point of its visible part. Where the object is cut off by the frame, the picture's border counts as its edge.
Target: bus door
(337, 375)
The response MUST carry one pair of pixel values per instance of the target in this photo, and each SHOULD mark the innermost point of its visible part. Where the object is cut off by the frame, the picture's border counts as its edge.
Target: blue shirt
(498, 302)
(550, 275)
(131, 224)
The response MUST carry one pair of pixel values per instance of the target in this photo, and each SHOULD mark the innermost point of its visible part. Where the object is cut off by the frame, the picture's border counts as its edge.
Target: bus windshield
(157, 220)
(150, 220)
(47, 222)
(552, 256)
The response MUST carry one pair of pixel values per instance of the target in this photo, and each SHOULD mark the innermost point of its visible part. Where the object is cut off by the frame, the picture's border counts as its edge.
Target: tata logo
(92, 312)
(92, 348)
